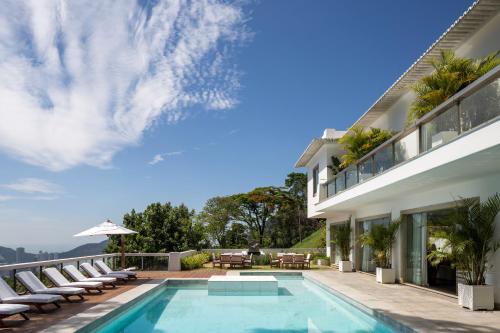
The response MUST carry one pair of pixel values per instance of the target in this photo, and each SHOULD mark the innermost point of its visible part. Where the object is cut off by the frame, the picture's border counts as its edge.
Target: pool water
(301, 306)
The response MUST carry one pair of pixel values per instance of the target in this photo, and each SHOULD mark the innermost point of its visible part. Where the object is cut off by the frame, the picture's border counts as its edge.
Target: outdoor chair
(237, 260)
(307, 261)
(215, 261)
(247, 262)
(35, 286)
(7, 310)
(76, 275)
(298, 260)
(9, 296)
(93, 273)
(60, 280)
(106, 270)
(274, 262)
(287, 260)
(225, 259)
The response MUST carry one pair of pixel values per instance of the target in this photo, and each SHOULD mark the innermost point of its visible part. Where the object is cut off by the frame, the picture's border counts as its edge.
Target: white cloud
(6, 198)
(81, 80)
(34, 186)
(161, 157)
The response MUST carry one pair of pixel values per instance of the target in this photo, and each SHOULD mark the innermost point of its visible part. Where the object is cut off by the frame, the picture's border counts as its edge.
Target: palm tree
(451, 74)
(380, 238)
(342, 239)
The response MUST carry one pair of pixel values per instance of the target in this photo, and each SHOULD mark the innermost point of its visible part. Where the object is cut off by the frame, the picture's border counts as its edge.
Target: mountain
(85, 250)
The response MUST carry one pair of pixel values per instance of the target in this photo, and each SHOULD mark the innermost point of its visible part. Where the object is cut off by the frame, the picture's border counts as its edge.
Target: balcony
(475, 107)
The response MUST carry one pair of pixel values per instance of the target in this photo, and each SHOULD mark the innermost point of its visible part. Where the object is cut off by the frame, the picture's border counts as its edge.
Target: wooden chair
(287, 260)
(215, 261)
(298, 260)
(236, 260)
(225, 259)
(307, 261)
(247, 262)
(274, 262)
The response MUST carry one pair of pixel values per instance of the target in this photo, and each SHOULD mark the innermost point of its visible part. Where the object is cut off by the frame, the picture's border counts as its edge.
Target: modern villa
(417, 176)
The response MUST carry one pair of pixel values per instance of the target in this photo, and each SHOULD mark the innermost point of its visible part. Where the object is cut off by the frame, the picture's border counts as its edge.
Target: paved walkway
(421, 310)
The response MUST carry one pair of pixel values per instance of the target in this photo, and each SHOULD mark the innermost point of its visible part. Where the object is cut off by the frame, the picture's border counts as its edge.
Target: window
(315, 180)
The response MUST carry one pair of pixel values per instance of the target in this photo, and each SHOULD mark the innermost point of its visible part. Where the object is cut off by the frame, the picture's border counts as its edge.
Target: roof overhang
(480, 12)
(311, 150)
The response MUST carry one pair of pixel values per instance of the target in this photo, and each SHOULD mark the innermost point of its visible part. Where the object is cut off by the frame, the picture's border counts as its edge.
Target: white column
(354, 252)
(398, 246)
(328, 239)
(174, 261)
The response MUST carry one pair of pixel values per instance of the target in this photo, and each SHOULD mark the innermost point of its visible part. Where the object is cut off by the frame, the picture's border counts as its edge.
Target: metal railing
(476, 105)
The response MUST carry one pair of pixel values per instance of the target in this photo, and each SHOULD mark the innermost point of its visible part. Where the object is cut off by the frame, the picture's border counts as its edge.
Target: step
(242, 285)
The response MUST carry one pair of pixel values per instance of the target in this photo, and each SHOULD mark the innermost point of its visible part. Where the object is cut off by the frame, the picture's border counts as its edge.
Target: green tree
(237, 236)
(217, 215)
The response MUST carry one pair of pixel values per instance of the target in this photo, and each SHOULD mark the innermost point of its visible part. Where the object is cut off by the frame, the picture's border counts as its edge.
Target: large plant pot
(345, 266)
(476, 297)
(386, 275)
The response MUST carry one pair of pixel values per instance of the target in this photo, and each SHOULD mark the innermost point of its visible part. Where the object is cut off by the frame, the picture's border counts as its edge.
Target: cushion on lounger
(10, 309)
(38, 298)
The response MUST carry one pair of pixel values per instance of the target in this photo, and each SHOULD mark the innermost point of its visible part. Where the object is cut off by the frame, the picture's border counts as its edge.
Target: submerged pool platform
(190, 305)
(221, 285)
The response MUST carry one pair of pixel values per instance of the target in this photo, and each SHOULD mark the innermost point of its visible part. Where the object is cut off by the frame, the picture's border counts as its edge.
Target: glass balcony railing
(476, 105)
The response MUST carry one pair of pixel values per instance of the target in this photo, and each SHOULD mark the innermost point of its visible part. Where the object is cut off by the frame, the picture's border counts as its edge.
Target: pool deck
(419, 309)
(422, 310)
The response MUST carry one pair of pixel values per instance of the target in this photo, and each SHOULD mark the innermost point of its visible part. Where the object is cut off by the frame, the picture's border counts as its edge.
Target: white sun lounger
(76, 275)
(35, 286)
(60, 280)
(7, 310)
(108, 271)
(93, 273)
(9, 296)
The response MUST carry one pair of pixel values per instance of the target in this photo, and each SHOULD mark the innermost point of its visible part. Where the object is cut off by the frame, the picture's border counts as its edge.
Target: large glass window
(335, 252)
(406, 147)
(383, 159)
(440, 130)
(366, 253)
(351, 176)
(340, 182)
(315, 180)
(365, 170)
(481, 106)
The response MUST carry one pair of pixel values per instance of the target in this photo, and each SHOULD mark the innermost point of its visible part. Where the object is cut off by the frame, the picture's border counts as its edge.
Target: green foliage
(451, 74)
(335, 167)
(195, 261)
(470, 239)
(315, 240)
(342, 239)
(217, 215)
(380, 238)
(358, 142)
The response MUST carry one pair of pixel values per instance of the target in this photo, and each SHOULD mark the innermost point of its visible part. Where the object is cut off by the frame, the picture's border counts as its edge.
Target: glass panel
(315, 180)
(441, 129)
(366, 253)
(351, 176)
(335, 254)
(330, 189)
(481, 106)
(365, 170)
(340, 182)
(383, 159)
(415, 235)
(406, 147)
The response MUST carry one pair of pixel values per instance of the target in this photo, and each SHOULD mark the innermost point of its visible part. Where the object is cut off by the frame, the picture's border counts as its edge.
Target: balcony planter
(385, 275)
(345, 266)
(476, 297)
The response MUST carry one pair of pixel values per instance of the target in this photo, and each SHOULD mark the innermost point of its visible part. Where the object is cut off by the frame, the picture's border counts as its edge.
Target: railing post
(92, 262)
(142, 263)
(14, 271)
(61, 267)
(459, 116)
(373, 164)
(40, 272)
(78, 264)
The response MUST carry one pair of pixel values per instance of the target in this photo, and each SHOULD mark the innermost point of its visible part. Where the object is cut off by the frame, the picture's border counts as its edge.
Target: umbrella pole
(122, 242)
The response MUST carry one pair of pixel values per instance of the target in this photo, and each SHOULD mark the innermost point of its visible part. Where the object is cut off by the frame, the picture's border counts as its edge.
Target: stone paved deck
(421, 310)
(40, 322)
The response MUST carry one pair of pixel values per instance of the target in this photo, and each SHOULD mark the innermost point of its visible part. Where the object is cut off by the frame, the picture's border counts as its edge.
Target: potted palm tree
(342, 241)
(380, 238)
(470, 242)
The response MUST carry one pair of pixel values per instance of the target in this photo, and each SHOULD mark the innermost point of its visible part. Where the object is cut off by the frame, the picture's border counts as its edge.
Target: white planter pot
(386, 275)
(476, 297)
(345, 266)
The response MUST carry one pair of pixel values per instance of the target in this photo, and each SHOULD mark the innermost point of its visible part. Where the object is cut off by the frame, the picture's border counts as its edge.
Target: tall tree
(216, 216)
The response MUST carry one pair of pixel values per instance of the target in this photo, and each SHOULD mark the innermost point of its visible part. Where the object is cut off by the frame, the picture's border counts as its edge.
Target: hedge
(195, 261)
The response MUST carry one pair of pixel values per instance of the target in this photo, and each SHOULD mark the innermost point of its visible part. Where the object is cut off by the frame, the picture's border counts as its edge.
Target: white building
(452, 152)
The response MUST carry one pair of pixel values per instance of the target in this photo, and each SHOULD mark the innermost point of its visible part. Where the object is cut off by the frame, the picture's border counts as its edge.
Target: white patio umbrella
(108, 228)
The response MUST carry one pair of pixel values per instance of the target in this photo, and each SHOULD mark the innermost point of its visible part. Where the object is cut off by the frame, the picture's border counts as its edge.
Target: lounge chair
(298, 260)
(9, 296)
(307, 261)
(225, 259)
(60, 280)
(106, 270)
(35, 286)
(7, 310)
(76, 275)
(287, 260)
(93, 273)
(215, 261)
(274, 262)
(247, 262)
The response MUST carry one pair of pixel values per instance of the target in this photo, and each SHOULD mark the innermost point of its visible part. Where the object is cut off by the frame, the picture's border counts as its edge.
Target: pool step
(243, 285)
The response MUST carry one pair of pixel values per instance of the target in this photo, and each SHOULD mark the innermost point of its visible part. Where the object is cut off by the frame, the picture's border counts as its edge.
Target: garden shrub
(195, 261)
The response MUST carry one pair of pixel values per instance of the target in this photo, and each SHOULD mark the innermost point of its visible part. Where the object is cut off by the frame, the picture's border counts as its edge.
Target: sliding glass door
(415, 254)
(366, 263)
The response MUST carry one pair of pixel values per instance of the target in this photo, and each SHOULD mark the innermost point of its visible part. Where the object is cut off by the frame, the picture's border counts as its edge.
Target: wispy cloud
(161, 157)
(33, 186)
(81, 80)
(6, 198)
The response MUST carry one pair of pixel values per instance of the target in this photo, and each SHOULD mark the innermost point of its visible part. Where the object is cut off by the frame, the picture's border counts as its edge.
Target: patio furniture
(274, 262)
(60, 280)
(225, 259)
(9, 296)
(7, 310)
(106, 270)
(298, 260)
(76, 275)
(35, 286)
(287, 260)
(247, 262)
(215, 261)
(93, 273)
(307, 261)
(237, 260)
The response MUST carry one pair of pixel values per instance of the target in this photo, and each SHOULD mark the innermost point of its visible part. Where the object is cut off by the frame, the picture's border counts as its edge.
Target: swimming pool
(301, 306)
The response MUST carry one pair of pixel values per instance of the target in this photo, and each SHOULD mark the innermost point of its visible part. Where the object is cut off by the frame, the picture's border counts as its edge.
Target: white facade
(461, 164)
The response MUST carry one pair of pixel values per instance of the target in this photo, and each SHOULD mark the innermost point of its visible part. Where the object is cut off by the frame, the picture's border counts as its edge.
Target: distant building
(42, 256)
(20, 254)
(3, 261)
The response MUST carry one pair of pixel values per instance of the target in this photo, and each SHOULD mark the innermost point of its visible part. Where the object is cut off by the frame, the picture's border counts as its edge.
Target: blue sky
(226, 100)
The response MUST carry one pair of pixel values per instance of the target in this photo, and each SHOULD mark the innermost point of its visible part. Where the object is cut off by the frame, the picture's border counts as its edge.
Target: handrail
(443, 107)
(54, 262)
